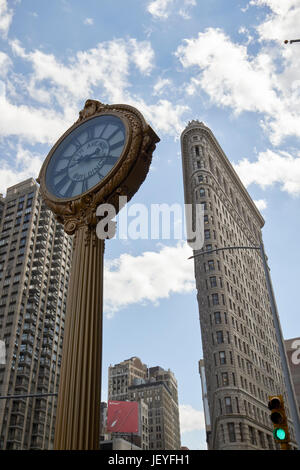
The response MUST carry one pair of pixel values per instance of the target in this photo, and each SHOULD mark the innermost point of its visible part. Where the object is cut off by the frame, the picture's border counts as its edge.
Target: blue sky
(223, 63)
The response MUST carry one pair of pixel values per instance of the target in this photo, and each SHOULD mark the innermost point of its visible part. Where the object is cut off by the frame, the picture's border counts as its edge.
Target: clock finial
(90, 107)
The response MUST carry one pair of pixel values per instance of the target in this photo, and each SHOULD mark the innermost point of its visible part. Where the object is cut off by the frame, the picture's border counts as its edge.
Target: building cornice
(248, 200)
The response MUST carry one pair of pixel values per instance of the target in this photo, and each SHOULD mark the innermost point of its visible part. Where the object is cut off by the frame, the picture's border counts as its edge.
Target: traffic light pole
(286, 371)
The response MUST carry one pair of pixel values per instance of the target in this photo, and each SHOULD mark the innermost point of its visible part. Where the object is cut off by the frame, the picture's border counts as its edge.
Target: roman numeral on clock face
(100, 174)
(90, 133)
(110, 160)
(69, 192)
(117, 144)
(61, 172)
(76, 142)
(59, 186)
(85, 185)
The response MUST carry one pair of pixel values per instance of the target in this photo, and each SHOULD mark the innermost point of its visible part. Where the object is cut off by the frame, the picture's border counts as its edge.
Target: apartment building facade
(35, 259)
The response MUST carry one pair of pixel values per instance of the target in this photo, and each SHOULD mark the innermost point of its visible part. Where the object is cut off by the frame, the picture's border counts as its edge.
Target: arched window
(201, 192)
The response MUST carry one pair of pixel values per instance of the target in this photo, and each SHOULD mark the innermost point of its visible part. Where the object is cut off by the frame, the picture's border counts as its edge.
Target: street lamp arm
(226, 248)
(291, 41)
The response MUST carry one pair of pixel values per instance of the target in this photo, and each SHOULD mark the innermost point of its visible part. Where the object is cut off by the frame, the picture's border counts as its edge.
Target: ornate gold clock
(104, 155)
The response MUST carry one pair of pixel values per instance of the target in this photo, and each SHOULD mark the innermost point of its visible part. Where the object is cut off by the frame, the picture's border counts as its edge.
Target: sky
(223, 63)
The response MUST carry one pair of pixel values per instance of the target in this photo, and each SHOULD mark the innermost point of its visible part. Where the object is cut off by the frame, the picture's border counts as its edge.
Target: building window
(225, 380)
(215, 299)
(241, 432)
(222, 357)
(252, 435)
(222, 433)
(217, 317)
(261, 440)
(211, 265)
(228, 405)
(213, 281)
(231, 432)
(220, 338)
(206, 234)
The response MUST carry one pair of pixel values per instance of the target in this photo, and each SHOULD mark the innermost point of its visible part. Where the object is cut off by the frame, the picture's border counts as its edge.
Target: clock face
(85, 156)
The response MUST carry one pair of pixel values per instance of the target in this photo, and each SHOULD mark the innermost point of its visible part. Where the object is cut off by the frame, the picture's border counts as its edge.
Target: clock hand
(83, 158)
(94, 155)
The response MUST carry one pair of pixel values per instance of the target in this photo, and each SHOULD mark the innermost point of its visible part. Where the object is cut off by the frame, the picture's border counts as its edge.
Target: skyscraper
(157, 388)
(35, 257)
(241, 355)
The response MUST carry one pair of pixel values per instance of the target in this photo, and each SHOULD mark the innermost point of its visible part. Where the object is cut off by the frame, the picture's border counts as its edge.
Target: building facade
(240, 350)
(156, 391)
(35, 259)
(122, 375)
(292, 347)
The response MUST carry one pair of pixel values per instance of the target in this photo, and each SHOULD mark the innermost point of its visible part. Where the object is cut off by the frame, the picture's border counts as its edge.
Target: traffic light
(279, 420)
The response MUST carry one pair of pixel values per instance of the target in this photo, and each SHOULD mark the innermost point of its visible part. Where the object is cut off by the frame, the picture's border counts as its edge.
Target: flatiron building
(241, 357)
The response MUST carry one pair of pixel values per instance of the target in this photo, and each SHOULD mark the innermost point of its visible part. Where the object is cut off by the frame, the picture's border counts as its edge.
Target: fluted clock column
(78, 411)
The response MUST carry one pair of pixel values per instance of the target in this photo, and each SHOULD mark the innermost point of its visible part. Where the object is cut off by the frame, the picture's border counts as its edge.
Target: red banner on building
(123, 416)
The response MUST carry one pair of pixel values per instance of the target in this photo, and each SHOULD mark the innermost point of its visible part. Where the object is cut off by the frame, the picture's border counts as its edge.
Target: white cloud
(146, 278)
(184, 10)
(5, 64)
(255, 86)
(261, 204)
(163, 115)
(216, 56)
(162, 9)
(190, 419)
(26, 165)
(35, 125)
(106, 64)
(88, 21)
(58, 90)
(142, 55)
(282, 22)
(271, 168)
(160, 85)
(6, 15)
